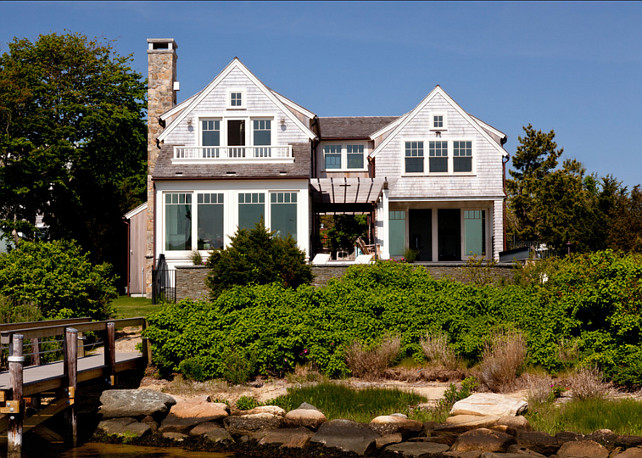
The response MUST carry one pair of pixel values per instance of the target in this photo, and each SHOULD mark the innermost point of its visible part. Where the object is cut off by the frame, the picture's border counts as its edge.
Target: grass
(129, 307)
(339, 401)
(623, 416)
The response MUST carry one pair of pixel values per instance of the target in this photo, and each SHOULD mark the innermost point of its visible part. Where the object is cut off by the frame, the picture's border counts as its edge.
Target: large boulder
(123, 427)
(417, 449)
(538, 441)
(135, 403)
(391, 424)
(633, 452)
(347, 436)
(485, 404)
(296, 438)
(463, 423)
(274, 410)
(247, 424)
(305, 415)
(581, 449)
(484, 440)
(190, 412)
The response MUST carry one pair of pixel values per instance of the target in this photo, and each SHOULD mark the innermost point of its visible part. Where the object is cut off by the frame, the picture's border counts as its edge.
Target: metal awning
(349, 194)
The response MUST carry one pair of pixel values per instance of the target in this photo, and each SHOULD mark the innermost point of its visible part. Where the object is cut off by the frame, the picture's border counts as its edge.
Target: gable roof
(352, 127)
(235, 64)
(471, 119)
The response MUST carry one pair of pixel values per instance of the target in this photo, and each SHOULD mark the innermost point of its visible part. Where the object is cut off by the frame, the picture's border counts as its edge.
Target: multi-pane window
(210, 221)
(262, 132)
(236, 99)
(438, 121)
(355, 156)
(210, 136)
(438, 156)
(414, 156)
(251, 209)
(283, 213)
(332, 156)
(463, 156)
(178, 221)
(474, 232)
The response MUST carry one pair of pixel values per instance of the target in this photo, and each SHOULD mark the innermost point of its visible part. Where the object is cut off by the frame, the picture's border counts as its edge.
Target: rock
(568, 436)
(606, 437)
(218, 435)
(310, 418)
(124, 427)
(204, 428)
(388, 439)
(274, 410)
(391, 424)
(484, 440)
(346, 435)
(629, 441)
(287, 438)
(190, 412)
(463, 423)
(417, 449)
(519, 450)
(175, 436)
(516, 422)
(506, 455)
(489, 404)
(633, 452)
(134, 403)
(582, 448)
(246, 424)
(471, 454)
(305, 405)
(538, 441)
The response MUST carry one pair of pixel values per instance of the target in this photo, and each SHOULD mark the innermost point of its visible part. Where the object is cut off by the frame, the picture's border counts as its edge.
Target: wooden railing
(234, 153)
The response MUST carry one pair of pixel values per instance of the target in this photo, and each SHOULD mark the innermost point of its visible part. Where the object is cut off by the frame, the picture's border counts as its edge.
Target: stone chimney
(161, 97)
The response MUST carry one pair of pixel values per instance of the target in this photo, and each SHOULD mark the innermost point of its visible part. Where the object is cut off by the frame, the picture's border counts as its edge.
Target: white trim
(438, 90)
(344, 155)
(444, 117)
(228, 98)
(390, 126)
(236, 63)
(293, 105)
(487, 126)
(131, 213)
(168, 114)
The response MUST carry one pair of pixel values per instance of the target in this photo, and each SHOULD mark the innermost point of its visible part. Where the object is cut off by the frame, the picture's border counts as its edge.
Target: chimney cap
(161, 44)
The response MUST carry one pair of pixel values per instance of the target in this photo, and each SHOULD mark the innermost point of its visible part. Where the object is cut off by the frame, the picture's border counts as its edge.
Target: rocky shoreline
(484, 424)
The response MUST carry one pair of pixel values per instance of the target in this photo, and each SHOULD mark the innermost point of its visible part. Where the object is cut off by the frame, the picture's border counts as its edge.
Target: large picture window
(283, 213)
(463, 156)
(178, 221)
(355, 156)
(210, 221)
(438, 156)
(251, 209)
(474, 232)
(332, 156)
(414, 153)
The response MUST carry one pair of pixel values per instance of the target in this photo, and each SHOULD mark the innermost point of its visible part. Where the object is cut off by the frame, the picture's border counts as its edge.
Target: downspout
(314, 126)
(504, 162)
(129, 290)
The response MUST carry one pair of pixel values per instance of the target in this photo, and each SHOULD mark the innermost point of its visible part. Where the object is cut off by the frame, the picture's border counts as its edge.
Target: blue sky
(573, 67)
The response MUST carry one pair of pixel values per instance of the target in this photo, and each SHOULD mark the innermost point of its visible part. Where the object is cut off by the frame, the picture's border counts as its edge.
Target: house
(238, 152)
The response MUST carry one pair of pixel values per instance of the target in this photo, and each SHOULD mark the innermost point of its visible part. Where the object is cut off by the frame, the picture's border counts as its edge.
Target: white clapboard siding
(257, 104)
(486, 179)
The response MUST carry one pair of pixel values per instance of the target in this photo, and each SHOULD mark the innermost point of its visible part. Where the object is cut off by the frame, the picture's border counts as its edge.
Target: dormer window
(438, 122)
(236, 98)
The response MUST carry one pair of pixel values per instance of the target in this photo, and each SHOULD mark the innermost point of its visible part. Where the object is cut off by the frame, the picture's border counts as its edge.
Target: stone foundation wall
(190, 281)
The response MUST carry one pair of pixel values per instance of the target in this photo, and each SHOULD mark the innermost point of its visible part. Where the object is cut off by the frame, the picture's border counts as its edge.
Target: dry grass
(438, 352)
(587, 383)
(502, 358)
(371, 363)
(305, 373)
(539, 386)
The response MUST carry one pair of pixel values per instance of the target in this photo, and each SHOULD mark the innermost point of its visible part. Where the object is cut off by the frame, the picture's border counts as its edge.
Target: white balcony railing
(249, 153)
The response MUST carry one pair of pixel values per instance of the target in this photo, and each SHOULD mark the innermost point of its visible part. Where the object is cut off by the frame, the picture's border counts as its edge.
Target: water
(131, 451)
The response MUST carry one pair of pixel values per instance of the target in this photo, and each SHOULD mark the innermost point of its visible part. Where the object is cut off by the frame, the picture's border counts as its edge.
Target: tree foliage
(72, 140)
(58, 278)
(257, 256)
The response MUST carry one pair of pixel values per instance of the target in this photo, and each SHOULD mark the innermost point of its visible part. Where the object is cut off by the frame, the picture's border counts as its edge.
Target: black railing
(163, 282)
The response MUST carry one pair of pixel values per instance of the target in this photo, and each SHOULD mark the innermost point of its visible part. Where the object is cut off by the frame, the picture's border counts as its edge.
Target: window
(355, 156)
(210, 221)
(210, 136)
(397, 232)
(474, 232)
(438, 121)
(251, 209)
(332, 156)
(178, 221)
(283, 213)
(438, 156)
(414, 157)
(262, 132)
(463, 156)
(236, 99)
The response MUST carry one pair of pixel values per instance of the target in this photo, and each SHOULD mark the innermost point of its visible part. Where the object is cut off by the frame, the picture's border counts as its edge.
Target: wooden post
(35, 349)
(110, 351)
(16, 360)
(81, 345)
(71, 372)
(146, 347)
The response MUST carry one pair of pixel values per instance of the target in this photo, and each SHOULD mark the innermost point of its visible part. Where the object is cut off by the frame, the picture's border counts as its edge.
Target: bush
(435, 347)
(503, 357)
(587, 383)
(10, 312)
(247, 403)
(370, 363)
(257, 257)
(58, 278)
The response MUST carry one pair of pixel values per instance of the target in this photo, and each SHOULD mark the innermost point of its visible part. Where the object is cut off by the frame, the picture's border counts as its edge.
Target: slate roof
(165, 170)
(352, 127)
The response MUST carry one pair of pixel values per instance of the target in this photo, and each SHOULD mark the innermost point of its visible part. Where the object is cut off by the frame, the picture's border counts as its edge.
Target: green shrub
(247, 403)
(58, 278)
(257, 257)
(192, 369)
(10, 312)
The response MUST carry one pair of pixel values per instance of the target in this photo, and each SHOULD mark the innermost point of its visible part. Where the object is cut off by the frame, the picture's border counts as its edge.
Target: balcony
(231, 154)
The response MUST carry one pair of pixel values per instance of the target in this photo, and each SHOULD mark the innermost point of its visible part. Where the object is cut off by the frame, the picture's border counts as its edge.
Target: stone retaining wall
(190, 280)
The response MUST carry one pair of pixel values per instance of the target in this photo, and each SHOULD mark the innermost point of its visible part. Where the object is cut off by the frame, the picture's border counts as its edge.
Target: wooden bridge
(57, 379)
